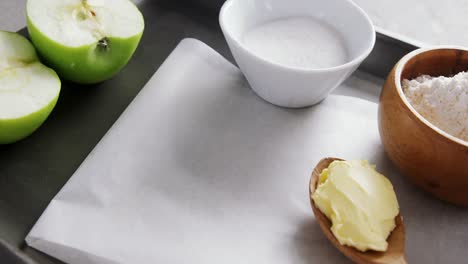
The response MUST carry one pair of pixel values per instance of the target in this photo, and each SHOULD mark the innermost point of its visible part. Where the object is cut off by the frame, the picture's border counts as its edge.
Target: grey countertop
(12, 14)
(431, 22)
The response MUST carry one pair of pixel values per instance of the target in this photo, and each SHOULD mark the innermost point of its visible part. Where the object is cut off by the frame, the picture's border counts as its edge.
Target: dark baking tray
(34, 170)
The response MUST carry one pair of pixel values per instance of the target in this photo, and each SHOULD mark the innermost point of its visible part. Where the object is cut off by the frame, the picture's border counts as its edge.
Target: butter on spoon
(395, 252)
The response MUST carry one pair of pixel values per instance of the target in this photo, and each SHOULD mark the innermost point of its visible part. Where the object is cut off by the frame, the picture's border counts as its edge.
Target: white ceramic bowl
(294, 86)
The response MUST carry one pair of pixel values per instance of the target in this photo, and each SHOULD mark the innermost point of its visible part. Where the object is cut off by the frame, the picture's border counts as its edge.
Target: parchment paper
(199, 169)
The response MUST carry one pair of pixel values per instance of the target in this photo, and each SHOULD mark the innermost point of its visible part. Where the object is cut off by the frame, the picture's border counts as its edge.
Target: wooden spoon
(396, 241)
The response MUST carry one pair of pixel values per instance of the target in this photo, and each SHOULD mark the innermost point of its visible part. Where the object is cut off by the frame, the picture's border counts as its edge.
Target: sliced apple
(85, 41)
(28, 89)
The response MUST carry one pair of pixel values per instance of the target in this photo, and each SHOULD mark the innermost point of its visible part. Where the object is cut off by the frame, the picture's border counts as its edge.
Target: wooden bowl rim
(397, 80)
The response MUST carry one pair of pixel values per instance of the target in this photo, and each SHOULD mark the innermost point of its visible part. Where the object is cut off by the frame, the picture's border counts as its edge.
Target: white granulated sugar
(443, 101)
(301, 42)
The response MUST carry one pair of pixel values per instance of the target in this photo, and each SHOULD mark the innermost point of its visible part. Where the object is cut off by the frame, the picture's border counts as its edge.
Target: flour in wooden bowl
(443, 101)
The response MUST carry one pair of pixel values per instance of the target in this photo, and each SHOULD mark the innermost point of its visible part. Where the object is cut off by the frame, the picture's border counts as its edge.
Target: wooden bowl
(432, 159)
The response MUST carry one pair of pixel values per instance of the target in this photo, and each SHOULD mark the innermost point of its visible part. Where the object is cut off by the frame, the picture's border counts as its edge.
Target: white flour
(297, 42)
(443, 101)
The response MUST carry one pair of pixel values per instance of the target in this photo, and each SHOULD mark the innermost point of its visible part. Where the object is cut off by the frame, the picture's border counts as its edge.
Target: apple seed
(103, 44)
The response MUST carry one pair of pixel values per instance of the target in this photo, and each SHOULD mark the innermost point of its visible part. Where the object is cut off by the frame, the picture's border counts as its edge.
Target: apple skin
(13, 130)
(85, 64)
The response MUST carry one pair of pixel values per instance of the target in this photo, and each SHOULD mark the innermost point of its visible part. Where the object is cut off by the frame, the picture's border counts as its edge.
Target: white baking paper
(199, 169)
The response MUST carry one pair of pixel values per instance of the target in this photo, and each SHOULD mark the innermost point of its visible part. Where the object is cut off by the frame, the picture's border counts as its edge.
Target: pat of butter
(360, 202)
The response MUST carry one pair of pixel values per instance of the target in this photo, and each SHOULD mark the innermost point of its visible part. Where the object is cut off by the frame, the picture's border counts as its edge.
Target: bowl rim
(355, 61)
(397, 80)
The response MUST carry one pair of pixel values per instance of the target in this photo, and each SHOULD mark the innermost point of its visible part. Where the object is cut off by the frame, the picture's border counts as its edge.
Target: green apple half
(28, 89)
(85, 41)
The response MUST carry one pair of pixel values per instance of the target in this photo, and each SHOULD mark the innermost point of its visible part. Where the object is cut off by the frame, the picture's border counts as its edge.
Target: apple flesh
(85, 41)
(28, 89)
